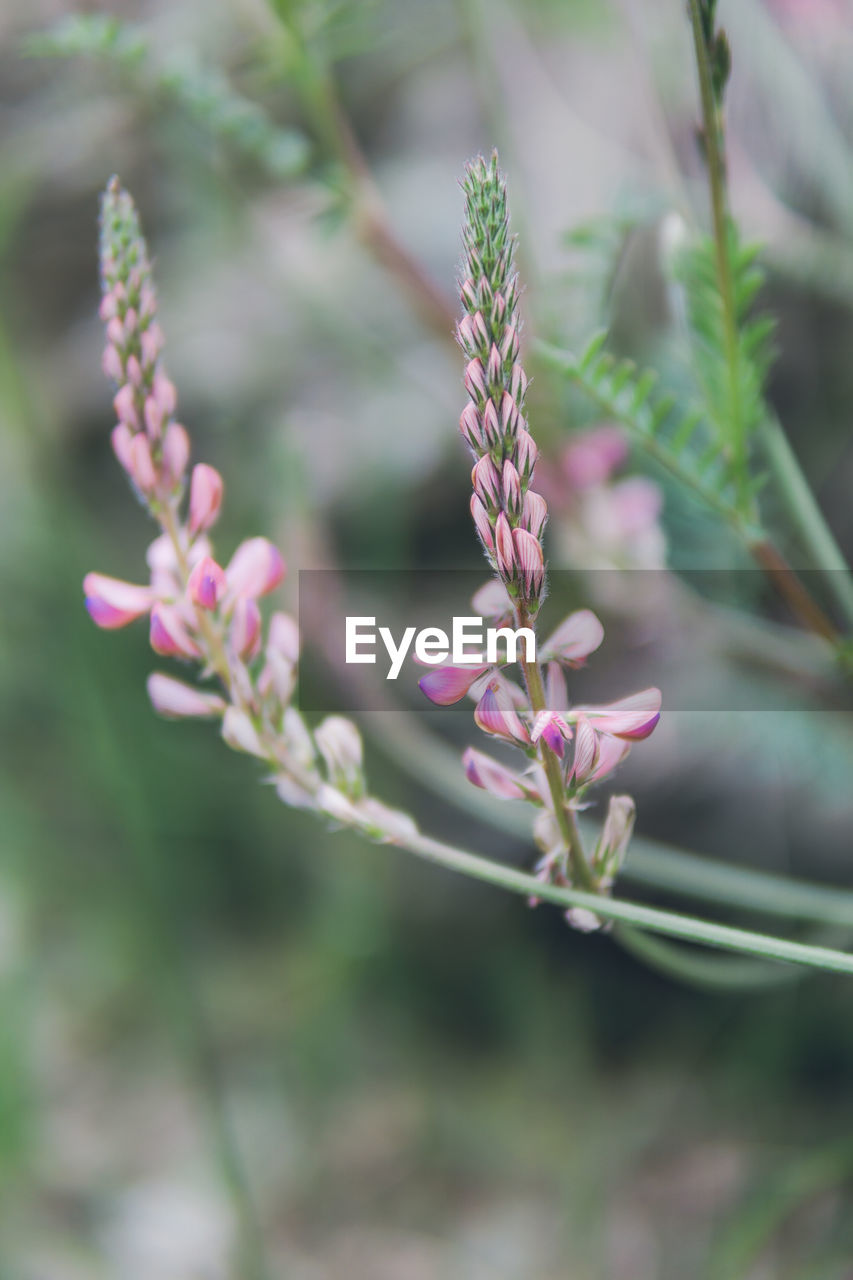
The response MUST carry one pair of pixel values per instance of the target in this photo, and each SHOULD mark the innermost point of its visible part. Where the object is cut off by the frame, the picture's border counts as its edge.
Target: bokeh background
(233, 1044)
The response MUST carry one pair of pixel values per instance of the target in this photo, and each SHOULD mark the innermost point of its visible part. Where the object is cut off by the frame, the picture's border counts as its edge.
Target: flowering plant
(209, 614)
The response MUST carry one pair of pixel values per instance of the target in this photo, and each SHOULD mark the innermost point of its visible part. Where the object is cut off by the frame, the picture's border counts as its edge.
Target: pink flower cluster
(589, 741)
(199, 611)
(508, 515)
(568, 748)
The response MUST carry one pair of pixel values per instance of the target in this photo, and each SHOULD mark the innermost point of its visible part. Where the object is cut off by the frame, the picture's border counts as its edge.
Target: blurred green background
(231, 1043)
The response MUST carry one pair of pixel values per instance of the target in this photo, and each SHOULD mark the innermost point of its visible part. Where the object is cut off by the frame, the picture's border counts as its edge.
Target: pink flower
(206, 488)
(552, 728)
(112, 603)
(255, 569)
(177, 700)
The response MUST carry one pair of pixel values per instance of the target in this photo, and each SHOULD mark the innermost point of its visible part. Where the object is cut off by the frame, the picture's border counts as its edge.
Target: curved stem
(654, 920)
(319, 95)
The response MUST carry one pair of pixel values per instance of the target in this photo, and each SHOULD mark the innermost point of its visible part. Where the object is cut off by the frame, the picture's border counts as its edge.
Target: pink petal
(556, 692)
(528, 555)
(495, 714)
(113, 603)
(255, 568)
(206, 488)
(176, 700)
(207, 583)
(633, 717)
(492, 600)
(575, 639)
(283, 636)
(586, 747)
(551, 727)
(611, 752)
(176, 452)
(446, 685)
(503, 545)
(245, 633)
(534, 513)
(482, 523)
(492, 776)
(168, 635)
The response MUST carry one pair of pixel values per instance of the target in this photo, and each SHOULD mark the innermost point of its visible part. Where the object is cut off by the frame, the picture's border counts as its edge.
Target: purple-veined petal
(493, 777)
(586, 748)
(611, 752)
(496, 714)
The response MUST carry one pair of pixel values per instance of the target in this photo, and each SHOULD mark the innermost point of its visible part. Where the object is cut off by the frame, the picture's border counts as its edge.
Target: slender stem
(719, 215)
(372, 224)
(654, 920)
(807, 517)
(791, 587)
(565, 817)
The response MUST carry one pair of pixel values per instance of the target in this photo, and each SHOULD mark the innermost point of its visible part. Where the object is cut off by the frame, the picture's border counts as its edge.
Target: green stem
(806, 516)
(719, 215)
(669, 923)
(317, 89)
(565, 817)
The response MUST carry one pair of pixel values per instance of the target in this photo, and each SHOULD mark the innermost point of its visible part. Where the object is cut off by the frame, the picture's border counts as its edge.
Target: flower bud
(240, 733)
(175, 453)
(206, 487)
(339, 743)
(245, 633)
(124, 403)
(207, 583)
(176, 700)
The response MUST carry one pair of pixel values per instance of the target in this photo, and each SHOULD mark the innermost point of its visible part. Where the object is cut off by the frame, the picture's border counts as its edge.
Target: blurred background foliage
(233, 1044)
